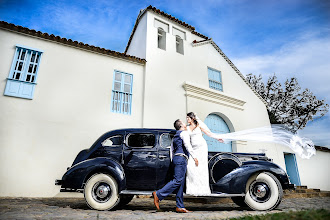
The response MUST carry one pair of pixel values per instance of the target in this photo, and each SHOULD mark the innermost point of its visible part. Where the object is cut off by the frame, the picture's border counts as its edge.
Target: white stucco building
(60, 95)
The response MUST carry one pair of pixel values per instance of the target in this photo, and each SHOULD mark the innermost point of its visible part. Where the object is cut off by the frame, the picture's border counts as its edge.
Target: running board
(149, 193)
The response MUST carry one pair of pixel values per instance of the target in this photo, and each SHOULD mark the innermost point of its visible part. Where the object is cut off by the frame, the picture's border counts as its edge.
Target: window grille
(122, 93)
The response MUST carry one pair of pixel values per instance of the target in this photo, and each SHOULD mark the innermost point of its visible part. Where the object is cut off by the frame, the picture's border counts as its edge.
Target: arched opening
(217, 125)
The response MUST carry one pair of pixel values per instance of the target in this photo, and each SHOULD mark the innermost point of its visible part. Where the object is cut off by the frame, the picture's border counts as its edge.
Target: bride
(197, 180)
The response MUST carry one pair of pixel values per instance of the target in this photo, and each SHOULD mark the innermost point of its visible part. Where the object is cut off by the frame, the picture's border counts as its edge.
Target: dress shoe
(181, 210)
(156, 200)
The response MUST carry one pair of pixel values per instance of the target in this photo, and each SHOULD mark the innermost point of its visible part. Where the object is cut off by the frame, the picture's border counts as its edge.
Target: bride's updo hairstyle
(193, 117)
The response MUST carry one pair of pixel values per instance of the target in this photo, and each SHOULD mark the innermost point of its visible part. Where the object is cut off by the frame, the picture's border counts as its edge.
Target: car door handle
(152, 156)
(162, 157)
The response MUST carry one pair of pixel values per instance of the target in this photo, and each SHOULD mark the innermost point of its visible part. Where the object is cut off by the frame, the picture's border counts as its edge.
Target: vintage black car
(127, 162)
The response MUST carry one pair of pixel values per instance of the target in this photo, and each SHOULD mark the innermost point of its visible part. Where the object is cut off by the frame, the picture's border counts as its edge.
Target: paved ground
(138, 208)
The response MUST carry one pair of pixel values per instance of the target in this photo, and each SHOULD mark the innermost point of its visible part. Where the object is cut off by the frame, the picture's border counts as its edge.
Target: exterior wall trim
(213, 96)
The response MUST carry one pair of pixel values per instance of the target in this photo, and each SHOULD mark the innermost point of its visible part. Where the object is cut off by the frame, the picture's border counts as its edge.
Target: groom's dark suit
(180, 158)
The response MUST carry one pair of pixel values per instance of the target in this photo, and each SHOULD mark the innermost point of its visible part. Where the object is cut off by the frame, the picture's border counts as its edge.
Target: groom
(181, 148)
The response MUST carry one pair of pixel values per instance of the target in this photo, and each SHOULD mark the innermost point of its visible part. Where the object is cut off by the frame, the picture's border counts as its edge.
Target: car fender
(235, 181)
(77, 175)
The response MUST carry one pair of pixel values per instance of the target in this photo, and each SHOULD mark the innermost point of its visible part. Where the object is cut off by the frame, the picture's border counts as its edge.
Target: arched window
(161, 39)
(179, 44)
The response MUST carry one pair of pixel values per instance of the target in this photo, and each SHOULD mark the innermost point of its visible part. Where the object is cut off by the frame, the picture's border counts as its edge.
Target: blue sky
(286, 37)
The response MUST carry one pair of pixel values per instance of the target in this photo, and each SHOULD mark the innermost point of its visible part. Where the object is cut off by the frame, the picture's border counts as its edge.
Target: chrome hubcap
(260, 192)
(101, 192)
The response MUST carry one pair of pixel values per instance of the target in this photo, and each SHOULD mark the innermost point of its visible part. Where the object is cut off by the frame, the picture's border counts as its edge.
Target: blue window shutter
(215, 81)
(121, 97)
(19, 89)
(12, 87)
(23, 73)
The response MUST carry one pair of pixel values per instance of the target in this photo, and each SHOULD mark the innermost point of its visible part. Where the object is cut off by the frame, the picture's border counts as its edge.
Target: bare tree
(288, 104)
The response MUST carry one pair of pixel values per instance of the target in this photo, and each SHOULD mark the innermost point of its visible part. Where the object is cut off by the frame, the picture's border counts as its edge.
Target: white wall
(314, 172)
(39, 138)
(139, 40)
(166, 100)
(167, 71)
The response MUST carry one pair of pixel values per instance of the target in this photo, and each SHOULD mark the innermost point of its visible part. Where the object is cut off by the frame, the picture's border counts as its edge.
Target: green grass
(312, 214)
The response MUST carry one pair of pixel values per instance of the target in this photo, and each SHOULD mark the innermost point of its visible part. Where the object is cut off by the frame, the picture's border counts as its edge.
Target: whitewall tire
(263, 192)
(101, 192)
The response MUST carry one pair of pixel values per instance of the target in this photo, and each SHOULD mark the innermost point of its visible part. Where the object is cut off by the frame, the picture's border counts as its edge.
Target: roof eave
(51, 37)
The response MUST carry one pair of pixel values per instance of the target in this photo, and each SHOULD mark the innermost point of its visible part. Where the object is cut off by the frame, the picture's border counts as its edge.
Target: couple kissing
(189, 155)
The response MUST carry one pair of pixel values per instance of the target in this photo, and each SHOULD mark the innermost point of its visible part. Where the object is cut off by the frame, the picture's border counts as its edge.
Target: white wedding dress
(197, 179)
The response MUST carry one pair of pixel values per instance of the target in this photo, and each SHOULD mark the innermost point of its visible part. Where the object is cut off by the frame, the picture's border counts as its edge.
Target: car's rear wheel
(263, 192)
(101, 192)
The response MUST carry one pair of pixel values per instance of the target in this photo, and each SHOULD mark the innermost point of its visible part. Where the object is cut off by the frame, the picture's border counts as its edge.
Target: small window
(113, 141)
(122, 93)
(179, 45)
(161, 39)
(215, 81)
(166, 140)
(141, 140)
(23, 74)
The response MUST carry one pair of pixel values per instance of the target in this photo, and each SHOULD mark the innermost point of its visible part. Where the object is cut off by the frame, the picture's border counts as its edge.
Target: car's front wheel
(101, 192)
(263, 192)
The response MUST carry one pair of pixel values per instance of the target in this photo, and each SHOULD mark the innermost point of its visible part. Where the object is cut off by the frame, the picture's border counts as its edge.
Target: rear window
(141, 140)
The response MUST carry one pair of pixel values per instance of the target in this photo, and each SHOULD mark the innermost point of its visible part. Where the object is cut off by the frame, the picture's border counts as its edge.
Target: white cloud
(308, 60)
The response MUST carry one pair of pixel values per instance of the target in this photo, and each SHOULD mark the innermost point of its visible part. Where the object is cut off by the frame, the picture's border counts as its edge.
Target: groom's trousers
(177, 183)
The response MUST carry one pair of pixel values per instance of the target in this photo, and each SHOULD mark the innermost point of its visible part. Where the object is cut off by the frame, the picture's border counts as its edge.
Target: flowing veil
(277, 134)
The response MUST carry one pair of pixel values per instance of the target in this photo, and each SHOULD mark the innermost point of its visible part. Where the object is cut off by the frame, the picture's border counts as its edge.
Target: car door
(164, 168)
(140, 160)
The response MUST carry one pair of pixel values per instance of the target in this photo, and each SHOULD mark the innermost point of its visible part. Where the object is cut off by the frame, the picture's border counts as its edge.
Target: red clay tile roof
(70, 42)
(157, 11)
(168, 16)
(200, 35)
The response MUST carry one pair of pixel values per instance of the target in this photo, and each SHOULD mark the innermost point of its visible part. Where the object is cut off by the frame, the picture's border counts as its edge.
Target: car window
(141, 140)
(166, 140)
(113, 141)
